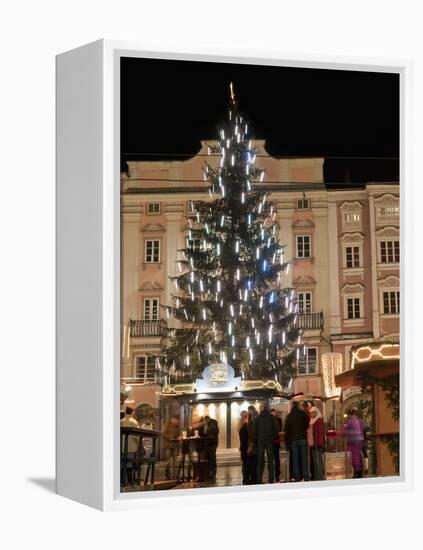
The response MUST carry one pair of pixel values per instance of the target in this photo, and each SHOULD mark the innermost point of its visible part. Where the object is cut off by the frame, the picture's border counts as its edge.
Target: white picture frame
(88, 279)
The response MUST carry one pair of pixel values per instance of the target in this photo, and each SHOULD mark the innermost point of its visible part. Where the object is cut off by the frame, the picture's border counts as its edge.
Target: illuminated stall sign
(218, 377)
(279, 401)
(373, 352)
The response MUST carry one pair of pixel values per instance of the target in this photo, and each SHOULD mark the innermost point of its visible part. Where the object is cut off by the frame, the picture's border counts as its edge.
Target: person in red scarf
(316, 443)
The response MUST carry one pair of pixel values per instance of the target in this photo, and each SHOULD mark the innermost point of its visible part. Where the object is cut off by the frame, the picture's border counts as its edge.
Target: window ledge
(353, 272)
(148, 264)
(388, 265)
(354, 322)
(307, 258)
(389, 315)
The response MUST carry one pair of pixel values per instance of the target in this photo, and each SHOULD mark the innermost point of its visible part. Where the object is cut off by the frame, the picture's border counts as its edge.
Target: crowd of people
(303, 434)
(261, 436)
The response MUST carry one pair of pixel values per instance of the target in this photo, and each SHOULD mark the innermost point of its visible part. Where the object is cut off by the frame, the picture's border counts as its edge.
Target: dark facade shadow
(46, 483)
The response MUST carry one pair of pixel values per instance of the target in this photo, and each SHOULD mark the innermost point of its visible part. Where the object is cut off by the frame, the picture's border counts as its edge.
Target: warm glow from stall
(222, 421)
(212, 410)
(235, 417)
(200, 410)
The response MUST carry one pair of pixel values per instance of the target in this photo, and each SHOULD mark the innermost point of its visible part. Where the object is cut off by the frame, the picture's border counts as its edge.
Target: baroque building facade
(343, 243)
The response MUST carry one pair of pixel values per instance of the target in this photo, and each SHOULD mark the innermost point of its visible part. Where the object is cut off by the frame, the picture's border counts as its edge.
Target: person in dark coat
(277, 446)
(243, 446)
(198, 424)
(211, 434)
(251, 450)
(265, 432)
(296, 425)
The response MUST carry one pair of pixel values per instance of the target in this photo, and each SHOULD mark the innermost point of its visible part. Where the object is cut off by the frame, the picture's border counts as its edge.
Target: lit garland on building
(229, 295)
(331, 366)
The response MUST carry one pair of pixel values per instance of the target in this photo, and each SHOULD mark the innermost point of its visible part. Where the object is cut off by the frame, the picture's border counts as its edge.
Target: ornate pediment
(302, 224)
(151, 285)
(391, 281)
(152, 228)
(352, 237)
(387, 200)
(388, 231)
(356, 288)
(351, 206)
(304, 280)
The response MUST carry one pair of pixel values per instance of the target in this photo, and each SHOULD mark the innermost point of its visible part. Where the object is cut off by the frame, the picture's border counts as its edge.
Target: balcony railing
(310, 321)
(139, 328)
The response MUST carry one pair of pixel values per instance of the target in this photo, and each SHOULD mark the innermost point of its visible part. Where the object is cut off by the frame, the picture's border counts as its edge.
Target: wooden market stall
(375, 367)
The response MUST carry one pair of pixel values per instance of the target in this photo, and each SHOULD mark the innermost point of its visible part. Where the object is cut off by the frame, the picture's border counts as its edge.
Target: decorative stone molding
(389, 231)
(304, 280)
(392, 281)
(303, 224)
(349, 272)
(387, 199)
(351, 206)
(352, 237)
(151, 285)
(356, 288)
(153, 228)
(382, 268)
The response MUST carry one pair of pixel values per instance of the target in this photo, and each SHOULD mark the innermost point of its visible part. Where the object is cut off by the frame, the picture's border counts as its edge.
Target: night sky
(167, 107)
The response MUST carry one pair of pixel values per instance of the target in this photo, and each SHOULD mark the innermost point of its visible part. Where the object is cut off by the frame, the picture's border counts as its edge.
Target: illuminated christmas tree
(229, 292)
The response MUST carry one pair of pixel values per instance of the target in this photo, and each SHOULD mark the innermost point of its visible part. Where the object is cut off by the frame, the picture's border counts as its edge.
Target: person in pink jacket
(353, 433)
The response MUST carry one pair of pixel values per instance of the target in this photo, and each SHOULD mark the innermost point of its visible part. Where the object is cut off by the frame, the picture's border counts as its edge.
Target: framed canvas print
(229, 283)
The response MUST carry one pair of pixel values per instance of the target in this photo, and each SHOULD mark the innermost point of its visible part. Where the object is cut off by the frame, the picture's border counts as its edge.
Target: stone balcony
(310, 321)
(140, 328)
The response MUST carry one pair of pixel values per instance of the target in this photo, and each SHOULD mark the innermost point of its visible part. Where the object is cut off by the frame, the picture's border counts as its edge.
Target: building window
(145, 368)
(152, 251)
(351, 219)
(191, 208)
(304, 302)
(388, 213)
(303, 246)
(353, 308)
(194, 244)
(153, 208)
(389, 252)
(307, 364)
(351, 215)
(303, 204)
(151, 309)
(391, 302)
(352, 256)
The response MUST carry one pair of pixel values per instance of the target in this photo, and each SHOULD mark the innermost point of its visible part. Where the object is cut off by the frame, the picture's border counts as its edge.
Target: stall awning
(377, 369)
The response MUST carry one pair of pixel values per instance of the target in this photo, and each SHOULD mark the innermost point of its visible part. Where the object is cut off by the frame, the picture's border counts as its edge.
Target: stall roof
(378, 369)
